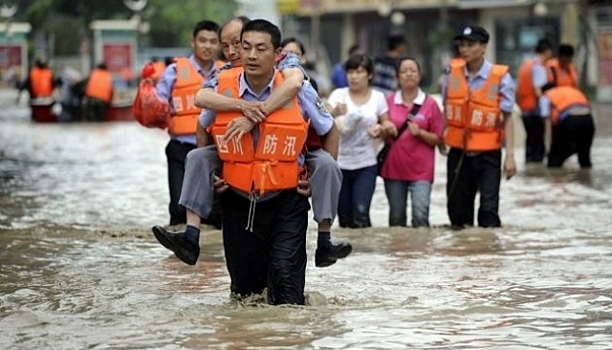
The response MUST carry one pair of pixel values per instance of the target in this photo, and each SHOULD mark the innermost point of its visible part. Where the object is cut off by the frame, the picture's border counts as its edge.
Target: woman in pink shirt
(409, 166)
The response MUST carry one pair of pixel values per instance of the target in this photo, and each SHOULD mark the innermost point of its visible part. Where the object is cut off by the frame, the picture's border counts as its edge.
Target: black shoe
(327, 255)
(178, 243)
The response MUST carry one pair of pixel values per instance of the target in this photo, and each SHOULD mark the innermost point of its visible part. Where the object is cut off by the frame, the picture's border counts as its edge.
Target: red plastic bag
(148, 108)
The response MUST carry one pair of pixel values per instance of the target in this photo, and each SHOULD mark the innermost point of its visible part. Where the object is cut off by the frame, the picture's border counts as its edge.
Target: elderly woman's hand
(238, 128)
(388, 128)
(414, 128)
(340, 109)
(253, 110)
(375, 131)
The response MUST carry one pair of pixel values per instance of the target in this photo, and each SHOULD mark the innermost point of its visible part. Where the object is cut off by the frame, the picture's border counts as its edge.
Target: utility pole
(315, 28)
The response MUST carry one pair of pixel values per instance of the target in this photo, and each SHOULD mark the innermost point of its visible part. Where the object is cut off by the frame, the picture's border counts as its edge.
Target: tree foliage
(171, 22)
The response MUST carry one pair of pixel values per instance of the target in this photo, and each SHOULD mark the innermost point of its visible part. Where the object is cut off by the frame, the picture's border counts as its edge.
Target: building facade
(330, 27)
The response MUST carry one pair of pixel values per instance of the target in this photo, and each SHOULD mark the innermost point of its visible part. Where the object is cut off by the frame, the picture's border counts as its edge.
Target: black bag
(382, 154)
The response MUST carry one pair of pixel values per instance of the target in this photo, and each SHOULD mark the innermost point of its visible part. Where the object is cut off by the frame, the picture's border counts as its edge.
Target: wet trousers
(94, 110)
(356, 196)
(572, 135)
(534, 141)
(273, 255)
(468, 174)
(397, 195)
(176, 153)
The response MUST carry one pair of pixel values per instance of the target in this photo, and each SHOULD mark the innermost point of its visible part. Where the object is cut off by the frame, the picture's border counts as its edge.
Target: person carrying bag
(382, 154)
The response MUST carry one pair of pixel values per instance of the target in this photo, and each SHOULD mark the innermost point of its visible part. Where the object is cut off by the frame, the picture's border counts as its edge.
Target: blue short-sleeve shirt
(166, 84)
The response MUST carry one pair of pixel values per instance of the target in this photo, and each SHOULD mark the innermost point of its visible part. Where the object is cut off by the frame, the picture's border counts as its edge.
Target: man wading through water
(478, 98)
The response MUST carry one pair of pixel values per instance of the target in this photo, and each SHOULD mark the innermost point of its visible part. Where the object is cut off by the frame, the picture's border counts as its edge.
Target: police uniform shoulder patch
(320, 105)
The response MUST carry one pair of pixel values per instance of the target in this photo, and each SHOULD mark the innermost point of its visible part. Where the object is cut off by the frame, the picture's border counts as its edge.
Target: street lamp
(540, 9)
(7, 12)
(137, 6)
(384, 8)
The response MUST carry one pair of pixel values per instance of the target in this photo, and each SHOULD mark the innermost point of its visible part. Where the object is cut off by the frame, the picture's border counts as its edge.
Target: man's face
(258, 53)
(230, 42)
(205, 45)
(472, 50)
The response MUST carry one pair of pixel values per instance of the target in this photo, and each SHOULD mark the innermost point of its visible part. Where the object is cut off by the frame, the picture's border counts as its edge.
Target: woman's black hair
(360, 60)
(288, 41)
(406, 58)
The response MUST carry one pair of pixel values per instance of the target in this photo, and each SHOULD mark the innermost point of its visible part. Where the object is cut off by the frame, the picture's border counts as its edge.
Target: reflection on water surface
(80, 269)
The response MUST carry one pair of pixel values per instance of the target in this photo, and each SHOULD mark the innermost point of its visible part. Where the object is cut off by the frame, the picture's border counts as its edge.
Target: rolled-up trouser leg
(198, 194)
(325, 182)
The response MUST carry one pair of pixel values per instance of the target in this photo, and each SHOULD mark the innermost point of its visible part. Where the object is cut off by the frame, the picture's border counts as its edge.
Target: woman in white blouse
(363, 114)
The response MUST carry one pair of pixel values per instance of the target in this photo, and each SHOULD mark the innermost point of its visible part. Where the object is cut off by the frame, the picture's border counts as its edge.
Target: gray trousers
(197, 193)
(325, 179)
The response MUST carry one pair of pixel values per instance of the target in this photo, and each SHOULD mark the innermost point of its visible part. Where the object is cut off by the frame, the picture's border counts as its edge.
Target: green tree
(172, 23)
(68, 21)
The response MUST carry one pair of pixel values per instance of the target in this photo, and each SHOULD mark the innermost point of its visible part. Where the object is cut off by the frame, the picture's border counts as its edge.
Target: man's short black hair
(263, 26)
(205, 25)
(543, 45)
(565, 50)
(394, 41)
(354, 49)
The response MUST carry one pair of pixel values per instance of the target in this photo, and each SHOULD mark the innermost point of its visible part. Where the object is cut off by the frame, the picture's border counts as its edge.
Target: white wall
(259, 9)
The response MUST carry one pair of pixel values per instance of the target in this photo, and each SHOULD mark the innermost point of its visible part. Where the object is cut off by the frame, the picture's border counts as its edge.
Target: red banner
(117, 56)
(10, 56)
(11, 64)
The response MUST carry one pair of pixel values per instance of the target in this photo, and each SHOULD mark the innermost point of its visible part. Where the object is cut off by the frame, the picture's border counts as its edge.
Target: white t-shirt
(357, 148)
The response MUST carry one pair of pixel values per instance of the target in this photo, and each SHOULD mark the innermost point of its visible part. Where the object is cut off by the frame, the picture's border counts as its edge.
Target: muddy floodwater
(80, 269)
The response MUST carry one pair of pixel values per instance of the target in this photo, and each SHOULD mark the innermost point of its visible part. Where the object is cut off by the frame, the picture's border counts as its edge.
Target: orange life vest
(563, 97)
(474, 121)
(41, 80)
(188, 82)
(559, 76)
(456, 60)
(525, 91)
(272, 165)
(159, 68)
(100, 85)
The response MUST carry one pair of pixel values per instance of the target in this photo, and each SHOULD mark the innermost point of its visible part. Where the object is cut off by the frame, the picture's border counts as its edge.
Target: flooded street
(80, 268)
